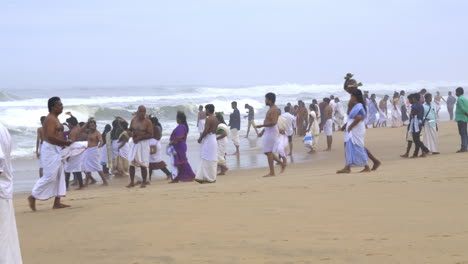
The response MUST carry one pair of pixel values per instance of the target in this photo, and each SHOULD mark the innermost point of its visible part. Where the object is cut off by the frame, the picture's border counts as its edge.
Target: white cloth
(235, 136)
(281, 145)
(170, 151)
(291, 122)
(282, 124)
(382, 116)
(431, 138)
(209, 159)
(124, 152)
(6, 170)
(222, 144)
(357, 134)
(103, 150)
(139, 154)
(201, 125)
(115, 149)
(269, 138)
(328, 128)
(91, 160)
(10, 252)
(52, 184)
(40, 161)
(155, 157)
(74, 163)
(76, 148)
(339, 115)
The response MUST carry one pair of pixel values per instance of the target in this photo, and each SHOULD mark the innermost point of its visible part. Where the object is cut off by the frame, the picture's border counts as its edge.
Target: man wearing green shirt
(461, 117)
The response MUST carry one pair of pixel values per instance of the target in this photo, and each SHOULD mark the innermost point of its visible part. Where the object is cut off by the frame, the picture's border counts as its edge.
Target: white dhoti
(209, 159)
(328, 128)
(431, 138)
(40, 157)
(139, 154)
(281, 145)
(201, 125)
(74, 164)
(235, 136)
(91, 159)
(157, 156)
(52, 184)
(222, 145)
(170, 151)
(382, 117)
(103, 151)
(10, 252)
(269, 139)
(115, 149)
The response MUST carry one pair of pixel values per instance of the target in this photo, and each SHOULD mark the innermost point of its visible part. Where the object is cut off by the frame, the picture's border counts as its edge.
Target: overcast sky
(236, 42)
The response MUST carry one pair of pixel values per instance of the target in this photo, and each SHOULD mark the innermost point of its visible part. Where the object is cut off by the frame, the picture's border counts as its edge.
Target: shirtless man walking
(92, 155)
(73, 164)
(52, 184)
(201, 119)
(141, 130)
(328, 126)
(39, 139)
(271, 133)
(207, 171)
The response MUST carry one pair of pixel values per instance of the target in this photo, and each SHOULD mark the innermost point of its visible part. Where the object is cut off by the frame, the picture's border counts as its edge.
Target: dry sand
(410, 211)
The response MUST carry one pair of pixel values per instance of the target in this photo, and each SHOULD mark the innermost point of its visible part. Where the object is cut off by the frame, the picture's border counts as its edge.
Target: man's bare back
(272, 115)
(328, 112)
(212, 124)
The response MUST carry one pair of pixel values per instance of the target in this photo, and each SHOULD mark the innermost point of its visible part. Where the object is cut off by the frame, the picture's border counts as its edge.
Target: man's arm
(100, 139)
(37, 142)
(205, 130)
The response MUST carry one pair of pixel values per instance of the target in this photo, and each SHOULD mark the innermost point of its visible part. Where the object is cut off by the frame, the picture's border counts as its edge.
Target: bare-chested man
(328, 126)
(201, 119)
(349, 86)
(39, 139)
(270, 134)
(141, 130)
(209, 148)
(92, 155)
(73, 164)
(52, 184)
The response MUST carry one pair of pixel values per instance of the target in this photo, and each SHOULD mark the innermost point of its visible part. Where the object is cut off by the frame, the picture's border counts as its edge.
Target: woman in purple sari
(178, 141)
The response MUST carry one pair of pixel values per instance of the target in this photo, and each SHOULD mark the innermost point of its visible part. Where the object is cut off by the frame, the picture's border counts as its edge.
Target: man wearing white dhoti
(209, 149)
(290, 131)
(52, 184)
(201, 120)
(92, 155)
(339, 114)
(270, 134)
(141, 130)
(221, 137)
(383, 112)
(73, 165)
(282, 140)
(39, 139)
(431, 137)
(9, 244)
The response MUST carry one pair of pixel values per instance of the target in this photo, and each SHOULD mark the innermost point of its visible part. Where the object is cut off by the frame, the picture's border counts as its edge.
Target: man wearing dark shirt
(416, 124)
(251, 118)
(234, 124)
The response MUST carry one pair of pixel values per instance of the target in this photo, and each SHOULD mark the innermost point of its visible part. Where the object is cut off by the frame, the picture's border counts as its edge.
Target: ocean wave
(5, 96)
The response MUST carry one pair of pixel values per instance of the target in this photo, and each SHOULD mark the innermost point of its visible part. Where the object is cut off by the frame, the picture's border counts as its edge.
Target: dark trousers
(418, 144)
(463, 134)
(77, 176)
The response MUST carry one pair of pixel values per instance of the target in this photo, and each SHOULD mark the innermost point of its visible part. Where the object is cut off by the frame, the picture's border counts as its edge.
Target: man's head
(82, 124)
(337, 100)
(402, 93)
(314, 101)
(92, 125)
(55, 105)
(141, 112)
(373, 96)
(459, 91)
(200, 108)
(154, 121)
(438, 93)
(234, 105)
(416, 98)
(311, 107)
(450, 93)
(107, 128)
(72, 121)
(332, 97)
(42, 119)
(423, 91)
(270, 99)
(410, 98)
(209, 109)
(326, 100)
(428, 98)
(287, 109)
(385, 97)
(246, 106)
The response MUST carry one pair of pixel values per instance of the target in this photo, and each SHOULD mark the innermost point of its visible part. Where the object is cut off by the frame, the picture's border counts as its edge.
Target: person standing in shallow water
(234, 124)
(39, 139)
(178, 142)
(251, 119)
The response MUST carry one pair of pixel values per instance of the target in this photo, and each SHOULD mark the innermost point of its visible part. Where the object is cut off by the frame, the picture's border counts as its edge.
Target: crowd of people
(74, 148)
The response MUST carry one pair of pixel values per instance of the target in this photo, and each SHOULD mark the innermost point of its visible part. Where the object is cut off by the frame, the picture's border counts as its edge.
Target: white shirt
(291, 120)
(6, 177)
(333, 104)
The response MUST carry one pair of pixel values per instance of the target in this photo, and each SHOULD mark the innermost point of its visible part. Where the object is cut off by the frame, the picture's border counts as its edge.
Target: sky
(230, 42)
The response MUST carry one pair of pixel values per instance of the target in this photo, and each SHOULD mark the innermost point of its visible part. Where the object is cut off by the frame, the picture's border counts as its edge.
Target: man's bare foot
(289, 154)
(32, 202)
(269, 175)
(404, 156)
(73, 183)
(93, 182)
(414, 157)
(221, 173)
(105, 184)
(60, 206)
(173, 182)
(376, 165)
(80, 188)
(424, 155)
(283, 167)
(131, 185)
(143, 185)
(435, 153)
(312, 151)
(366, 169)
(345, 170)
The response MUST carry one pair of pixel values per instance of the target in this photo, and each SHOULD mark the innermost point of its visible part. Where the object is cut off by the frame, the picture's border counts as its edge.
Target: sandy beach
(409, 211)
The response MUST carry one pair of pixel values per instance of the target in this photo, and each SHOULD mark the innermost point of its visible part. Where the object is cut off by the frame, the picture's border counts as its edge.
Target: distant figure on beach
(431, 137)
(349, 86)
(291, 120)
(222, 134)
(73, 165)
(282, 140)
(123, 151)
(438, 102)
(422, 93)
(251, 119)
(141, 131)
(396, 114)
(328, 125)
(415, 126)
(181, 171)
(314, 127)
(39, 140)
(461, 117)
(271, 133)
(383, 111)
(10, 249)
(355, 153)
(106, 150)
(201, 119)
(92, 155)
(403, 107)
(156, 161)
(409, 135)
(451, 101)
(339, 114)
(372, 111)
(208, 169)
(52, 184)
(302, 121)
(234, 124)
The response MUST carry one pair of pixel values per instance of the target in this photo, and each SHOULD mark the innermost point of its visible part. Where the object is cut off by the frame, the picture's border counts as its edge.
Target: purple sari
(180, 158)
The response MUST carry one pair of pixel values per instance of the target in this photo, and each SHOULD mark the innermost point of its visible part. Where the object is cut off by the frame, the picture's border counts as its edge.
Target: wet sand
(410, 211)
